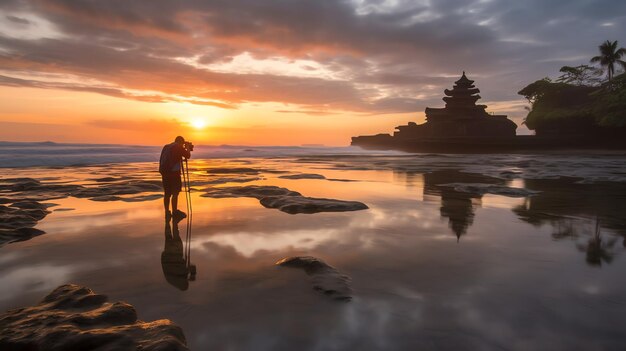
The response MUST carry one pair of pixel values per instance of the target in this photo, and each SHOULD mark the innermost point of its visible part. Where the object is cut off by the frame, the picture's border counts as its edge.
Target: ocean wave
(46, 154)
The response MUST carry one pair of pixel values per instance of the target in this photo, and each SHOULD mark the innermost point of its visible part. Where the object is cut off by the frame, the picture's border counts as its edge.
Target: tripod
(191, 268)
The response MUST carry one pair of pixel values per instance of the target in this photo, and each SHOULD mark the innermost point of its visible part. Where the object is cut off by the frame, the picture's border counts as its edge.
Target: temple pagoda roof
(460, 102)
(464, 81)
(459, 92)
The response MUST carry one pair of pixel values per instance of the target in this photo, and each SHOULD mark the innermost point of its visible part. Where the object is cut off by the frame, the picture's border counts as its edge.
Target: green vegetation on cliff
(578, 102)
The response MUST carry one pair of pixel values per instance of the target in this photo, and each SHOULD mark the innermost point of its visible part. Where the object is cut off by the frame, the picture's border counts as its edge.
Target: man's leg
(166, 201)
(178, 215)
(174, 202)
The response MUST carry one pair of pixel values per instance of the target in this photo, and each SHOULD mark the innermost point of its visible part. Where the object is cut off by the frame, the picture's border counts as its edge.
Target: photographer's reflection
(175, 261)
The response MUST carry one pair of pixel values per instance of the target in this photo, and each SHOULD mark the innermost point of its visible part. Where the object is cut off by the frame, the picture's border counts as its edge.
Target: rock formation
(24, 197)
(18, 219)
(303, 176)
(286, 200)
(325, 278)
(75, 318)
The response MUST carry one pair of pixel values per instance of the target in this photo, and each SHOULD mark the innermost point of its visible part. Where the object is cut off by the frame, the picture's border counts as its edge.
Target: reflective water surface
(449, 255)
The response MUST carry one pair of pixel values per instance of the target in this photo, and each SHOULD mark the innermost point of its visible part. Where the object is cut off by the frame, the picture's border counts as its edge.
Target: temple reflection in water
(458, 207)
(591, 215)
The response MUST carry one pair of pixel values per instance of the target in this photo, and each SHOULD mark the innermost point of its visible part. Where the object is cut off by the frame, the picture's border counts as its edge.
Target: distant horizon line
(49, 142)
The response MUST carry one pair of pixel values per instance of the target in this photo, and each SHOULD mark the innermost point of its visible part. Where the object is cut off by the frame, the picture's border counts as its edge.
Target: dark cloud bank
(383, 56)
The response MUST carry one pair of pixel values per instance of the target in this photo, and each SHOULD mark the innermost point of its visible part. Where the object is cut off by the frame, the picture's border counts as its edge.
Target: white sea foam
(15, 154)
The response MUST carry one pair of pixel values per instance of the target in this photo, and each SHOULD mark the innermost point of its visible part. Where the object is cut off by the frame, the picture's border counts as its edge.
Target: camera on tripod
(188, 145)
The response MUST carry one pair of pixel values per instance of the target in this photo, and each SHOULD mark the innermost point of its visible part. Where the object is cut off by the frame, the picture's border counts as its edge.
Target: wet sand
(451, 253)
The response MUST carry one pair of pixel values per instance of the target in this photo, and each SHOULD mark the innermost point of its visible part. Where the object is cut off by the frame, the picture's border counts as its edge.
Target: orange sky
(41, 115)
(268, 73)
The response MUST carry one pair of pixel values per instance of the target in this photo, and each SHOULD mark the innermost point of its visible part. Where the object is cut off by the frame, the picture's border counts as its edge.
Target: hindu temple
(461, 117)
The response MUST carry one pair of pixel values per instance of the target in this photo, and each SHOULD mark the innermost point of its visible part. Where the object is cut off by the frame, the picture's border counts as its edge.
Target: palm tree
(609, 55)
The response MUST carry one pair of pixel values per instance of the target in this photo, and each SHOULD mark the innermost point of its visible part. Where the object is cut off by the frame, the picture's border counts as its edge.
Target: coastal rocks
(108, 179)
(18, 184)
(107, 189)
(18, 219)
(114, 189)
(285, 200)
(325, 278)
(17, 189)
(233, 170)
(224, 180)
(32, 189)
(75, 318)
(21, 198)
(303, 176)
(314, 176)
(8, 236)
(302, 204)
(256, 191)
(135, 198)
(242, 170)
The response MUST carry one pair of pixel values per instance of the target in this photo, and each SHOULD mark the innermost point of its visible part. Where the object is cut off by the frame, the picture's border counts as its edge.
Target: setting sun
(198, 122)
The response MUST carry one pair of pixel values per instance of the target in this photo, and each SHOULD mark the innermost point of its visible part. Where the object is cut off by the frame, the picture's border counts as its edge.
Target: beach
(449, 252)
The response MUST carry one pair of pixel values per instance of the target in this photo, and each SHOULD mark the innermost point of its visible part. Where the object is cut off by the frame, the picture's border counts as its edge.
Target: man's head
(179, 140)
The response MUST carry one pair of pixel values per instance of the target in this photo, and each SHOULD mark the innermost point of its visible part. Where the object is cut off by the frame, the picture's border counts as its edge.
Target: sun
(198, 123)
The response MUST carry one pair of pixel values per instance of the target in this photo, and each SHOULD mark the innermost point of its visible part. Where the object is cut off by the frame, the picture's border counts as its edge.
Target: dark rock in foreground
(18, 219)
(286, 200)
(75, 318)
(325, 278)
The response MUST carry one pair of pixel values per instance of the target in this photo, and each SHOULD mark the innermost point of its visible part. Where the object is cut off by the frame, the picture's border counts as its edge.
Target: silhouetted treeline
(580, 102)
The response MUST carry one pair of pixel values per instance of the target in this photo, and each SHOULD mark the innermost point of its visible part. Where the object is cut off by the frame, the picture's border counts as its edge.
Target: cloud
(136, 71)
(145, 126)
(378, 56)
(109, 91)
(308, 112)
(18, 20)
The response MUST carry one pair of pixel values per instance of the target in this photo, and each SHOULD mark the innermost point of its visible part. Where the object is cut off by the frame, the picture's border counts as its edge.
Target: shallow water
(432, 267)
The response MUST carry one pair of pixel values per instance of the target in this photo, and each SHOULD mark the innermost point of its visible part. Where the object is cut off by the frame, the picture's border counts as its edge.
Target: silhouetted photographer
(170, 165)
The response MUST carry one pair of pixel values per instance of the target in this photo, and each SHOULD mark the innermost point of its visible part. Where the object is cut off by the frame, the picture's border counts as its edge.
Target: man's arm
(181, 152)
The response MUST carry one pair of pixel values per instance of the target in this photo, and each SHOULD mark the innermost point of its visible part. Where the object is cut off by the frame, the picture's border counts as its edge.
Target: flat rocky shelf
(286, 200)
